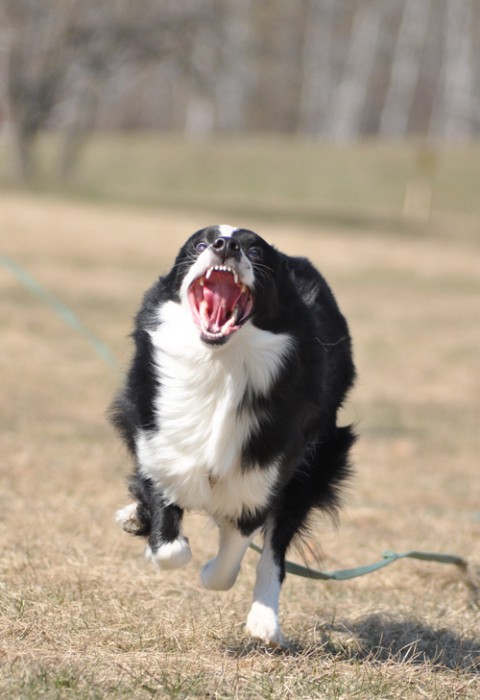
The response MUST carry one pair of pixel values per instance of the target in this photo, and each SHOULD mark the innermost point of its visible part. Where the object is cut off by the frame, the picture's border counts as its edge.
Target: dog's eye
(255, 253)
(200, 247)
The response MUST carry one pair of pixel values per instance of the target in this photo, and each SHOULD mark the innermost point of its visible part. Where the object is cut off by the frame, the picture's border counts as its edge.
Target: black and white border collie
(242, 360)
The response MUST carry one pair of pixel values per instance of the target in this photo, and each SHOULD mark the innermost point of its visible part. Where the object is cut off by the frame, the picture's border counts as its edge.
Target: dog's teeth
(220, 268)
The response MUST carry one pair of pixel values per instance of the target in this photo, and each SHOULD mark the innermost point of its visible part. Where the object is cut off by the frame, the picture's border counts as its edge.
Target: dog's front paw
(262, 624)
(217, 578)
(128, 518)
(170, 555)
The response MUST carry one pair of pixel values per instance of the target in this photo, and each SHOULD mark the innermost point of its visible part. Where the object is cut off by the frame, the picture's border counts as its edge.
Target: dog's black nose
(227, 247)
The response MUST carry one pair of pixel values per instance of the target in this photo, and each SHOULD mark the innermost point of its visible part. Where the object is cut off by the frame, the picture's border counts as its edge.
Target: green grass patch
(272, 177)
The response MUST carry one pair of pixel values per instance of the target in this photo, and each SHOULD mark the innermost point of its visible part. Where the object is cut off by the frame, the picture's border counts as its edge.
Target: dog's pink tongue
(221, 295)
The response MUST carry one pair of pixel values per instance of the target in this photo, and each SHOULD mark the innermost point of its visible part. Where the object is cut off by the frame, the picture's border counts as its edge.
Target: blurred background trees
(329, 69)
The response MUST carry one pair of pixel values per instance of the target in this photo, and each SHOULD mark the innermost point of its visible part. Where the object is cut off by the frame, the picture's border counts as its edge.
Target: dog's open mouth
(220, 304)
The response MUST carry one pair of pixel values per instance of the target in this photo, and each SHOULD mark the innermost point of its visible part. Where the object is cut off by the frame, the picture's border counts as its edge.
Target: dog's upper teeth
(221, 268)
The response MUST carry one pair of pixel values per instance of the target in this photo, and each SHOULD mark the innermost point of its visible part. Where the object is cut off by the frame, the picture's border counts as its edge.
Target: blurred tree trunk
(345, 115)
(405, 70)
(200, 103)
(317, 73)
(36, 65)
(81, 122)
(453, 108)
(233, 69)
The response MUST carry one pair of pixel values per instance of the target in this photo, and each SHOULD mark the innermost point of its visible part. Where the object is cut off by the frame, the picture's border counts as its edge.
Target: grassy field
(269, 179)
(81, 614)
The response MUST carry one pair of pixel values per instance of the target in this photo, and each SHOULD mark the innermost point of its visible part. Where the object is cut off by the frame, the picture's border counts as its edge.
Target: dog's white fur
(220, 573)
(170, 555)
(204, 447)
(262, 620)
(196, 456)
(226, 230)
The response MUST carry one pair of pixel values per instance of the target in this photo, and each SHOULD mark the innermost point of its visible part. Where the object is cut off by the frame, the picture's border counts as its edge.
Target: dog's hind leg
(220, 573)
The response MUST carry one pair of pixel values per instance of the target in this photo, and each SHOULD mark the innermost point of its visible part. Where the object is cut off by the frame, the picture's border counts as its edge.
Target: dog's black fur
(294, 422)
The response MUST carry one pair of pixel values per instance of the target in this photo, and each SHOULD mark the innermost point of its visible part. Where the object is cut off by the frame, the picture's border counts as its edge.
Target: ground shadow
(378, 638)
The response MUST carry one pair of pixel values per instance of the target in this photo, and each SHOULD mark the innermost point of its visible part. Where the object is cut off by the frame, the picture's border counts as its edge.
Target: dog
(242, 360)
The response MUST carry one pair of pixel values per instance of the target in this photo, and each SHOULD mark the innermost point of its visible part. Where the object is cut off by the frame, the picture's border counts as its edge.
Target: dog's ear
(268, 288)
(172, 281)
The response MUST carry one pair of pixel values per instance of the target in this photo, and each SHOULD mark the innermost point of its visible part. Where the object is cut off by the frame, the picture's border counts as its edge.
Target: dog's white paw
(262, 624)
(170, 555)
(127, 517)
(213, 578)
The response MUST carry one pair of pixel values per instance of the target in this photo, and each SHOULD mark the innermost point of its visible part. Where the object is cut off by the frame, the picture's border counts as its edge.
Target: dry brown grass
(82, 616)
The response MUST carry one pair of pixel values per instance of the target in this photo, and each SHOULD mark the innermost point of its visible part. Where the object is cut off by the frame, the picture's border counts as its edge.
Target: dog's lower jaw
(262, 624)
(170, 555)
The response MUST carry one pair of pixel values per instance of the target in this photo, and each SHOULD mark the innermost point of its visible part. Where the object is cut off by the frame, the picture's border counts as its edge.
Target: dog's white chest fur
(195, 455)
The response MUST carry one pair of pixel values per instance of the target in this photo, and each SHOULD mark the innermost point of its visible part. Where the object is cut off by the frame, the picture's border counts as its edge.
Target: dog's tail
(332, 468)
